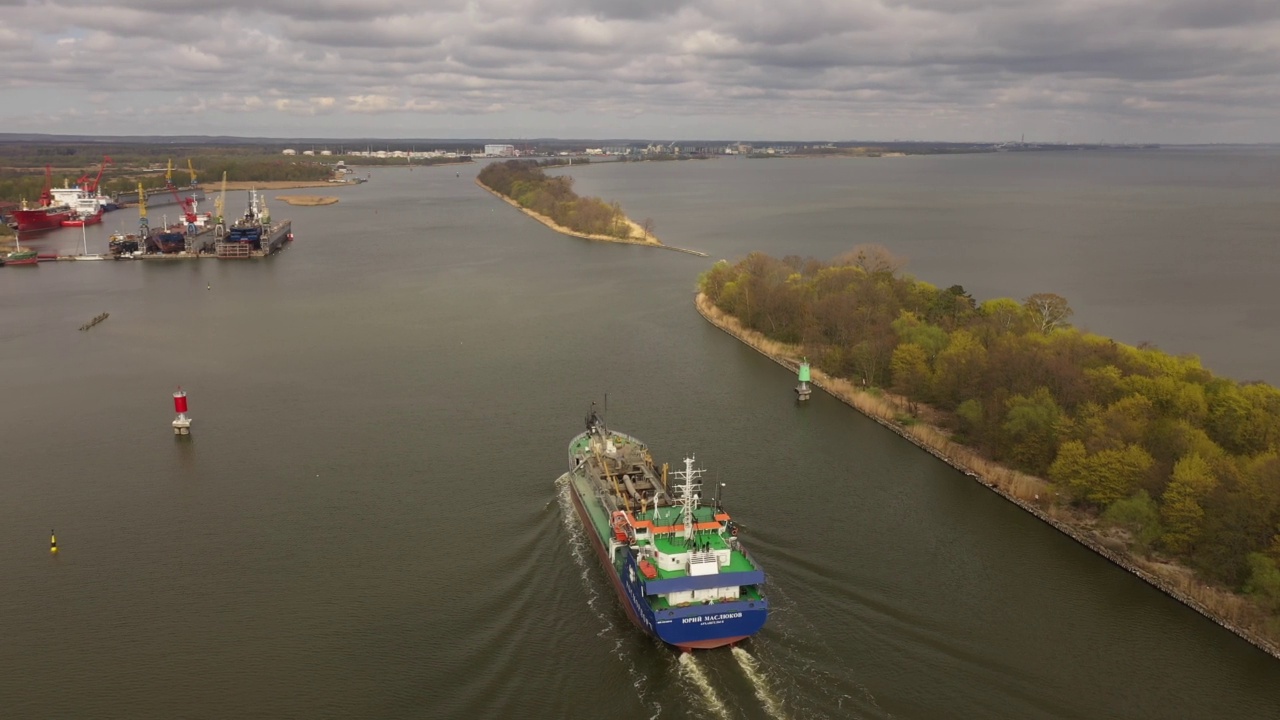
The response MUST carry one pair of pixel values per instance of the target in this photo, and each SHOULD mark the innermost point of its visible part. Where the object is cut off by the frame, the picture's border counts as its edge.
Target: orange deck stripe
(659, 529)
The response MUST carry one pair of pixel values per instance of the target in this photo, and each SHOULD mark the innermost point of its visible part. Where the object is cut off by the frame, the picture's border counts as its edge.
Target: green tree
(911, 329)
(909, 369)
(1031, 424)
(1102, 478)
(1264, 580)
(1181, 511)
(970, 416)
(959, 369)
(1070, 469)
(1003, 316)
(1140, 516)
(1125, 422)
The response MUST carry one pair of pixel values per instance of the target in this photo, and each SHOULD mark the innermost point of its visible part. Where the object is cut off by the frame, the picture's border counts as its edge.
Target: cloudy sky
(1056, 70)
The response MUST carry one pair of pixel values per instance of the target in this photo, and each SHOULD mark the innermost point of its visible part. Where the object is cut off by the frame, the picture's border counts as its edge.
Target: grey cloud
(1196, 66)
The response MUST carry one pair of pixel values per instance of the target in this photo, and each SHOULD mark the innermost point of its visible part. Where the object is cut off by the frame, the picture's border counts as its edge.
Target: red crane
(46, 194)
(93, 186)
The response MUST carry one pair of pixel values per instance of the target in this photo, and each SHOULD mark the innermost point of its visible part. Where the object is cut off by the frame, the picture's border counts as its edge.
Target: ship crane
(220, 204)
(188, 209)
(143, 230)
(188, 204)
(92, 187)
(46, 194)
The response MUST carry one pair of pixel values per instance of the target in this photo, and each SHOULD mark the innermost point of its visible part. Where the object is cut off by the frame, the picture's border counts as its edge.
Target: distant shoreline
(268, 185)
(637, 236)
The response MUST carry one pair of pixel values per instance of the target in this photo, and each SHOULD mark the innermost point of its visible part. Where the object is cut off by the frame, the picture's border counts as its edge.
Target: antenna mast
(688, 501)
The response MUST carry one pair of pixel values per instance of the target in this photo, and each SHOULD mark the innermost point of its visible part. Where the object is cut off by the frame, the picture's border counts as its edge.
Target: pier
(277, 239)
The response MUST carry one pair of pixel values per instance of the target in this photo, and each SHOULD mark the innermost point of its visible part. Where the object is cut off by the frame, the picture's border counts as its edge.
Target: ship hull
(697, 627)
(40, 219)
(167, 242)
(243, 242)
(83, 220)
(22, 257)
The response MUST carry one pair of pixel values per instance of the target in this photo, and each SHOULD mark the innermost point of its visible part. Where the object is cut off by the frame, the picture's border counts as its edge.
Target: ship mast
(688, 500)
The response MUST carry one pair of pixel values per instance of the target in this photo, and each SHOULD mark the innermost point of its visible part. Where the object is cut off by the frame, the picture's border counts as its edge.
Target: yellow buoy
(53, 542)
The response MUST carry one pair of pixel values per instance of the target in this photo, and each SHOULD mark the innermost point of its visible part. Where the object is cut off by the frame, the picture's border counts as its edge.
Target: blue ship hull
(688, 628)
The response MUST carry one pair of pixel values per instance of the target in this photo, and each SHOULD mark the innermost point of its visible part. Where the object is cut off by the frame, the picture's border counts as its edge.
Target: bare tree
(872, 259)
(647, 226)
(1050, 311)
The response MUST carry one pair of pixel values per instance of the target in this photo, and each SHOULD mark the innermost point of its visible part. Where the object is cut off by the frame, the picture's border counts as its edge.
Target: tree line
(525, 182)
(19, 186)
(1183, 461)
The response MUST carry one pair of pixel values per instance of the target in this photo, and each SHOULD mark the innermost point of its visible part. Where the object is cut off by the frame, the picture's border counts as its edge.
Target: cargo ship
(167, 241)
(67, 206)
(46, 216)
(81, 219)
(679, 568)
(253, 234)
(124, 246)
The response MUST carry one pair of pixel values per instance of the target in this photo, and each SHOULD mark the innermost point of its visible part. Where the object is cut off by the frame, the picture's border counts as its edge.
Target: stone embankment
(637, 237)
(1035, 495)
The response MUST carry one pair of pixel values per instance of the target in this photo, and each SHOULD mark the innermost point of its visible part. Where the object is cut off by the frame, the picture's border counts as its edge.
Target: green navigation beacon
(803, 391)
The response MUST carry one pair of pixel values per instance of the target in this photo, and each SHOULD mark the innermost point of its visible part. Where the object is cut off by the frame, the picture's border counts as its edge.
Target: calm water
(364, 522)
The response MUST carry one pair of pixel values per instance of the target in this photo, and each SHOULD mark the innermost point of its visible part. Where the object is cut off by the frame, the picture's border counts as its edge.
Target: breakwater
(635, 228)
(1035, 495)
(97, 319)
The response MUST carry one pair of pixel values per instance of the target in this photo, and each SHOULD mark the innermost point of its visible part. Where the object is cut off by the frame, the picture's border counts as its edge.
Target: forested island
(1148, 458)
(552, 199)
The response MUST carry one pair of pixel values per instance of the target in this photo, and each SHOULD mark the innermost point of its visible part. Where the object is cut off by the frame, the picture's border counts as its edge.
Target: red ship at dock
(45, 217)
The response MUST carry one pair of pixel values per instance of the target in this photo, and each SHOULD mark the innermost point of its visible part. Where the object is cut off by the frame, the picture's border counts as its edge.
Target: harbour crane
(220, 203)
(46, 193)
(143, 230)
(191, 169)
(188, 204)
(91, 186)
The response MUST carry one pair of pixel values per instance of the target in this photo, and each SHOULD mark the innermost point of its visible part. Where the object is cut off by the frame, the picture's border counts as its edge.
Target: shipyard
(49, 198)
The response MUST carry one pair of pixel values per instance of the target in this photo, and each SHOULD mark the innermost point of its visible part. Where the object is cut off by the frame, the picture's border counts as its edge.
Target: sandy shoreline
(1229, 610)
(637, 233)
(306, 200)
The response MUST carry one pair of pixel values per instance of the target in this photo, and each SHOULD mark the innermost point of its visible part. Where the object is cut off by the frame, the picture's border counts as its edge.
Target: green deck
(581, 445)
(671, 544)
(675, 515)
(668, 544)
